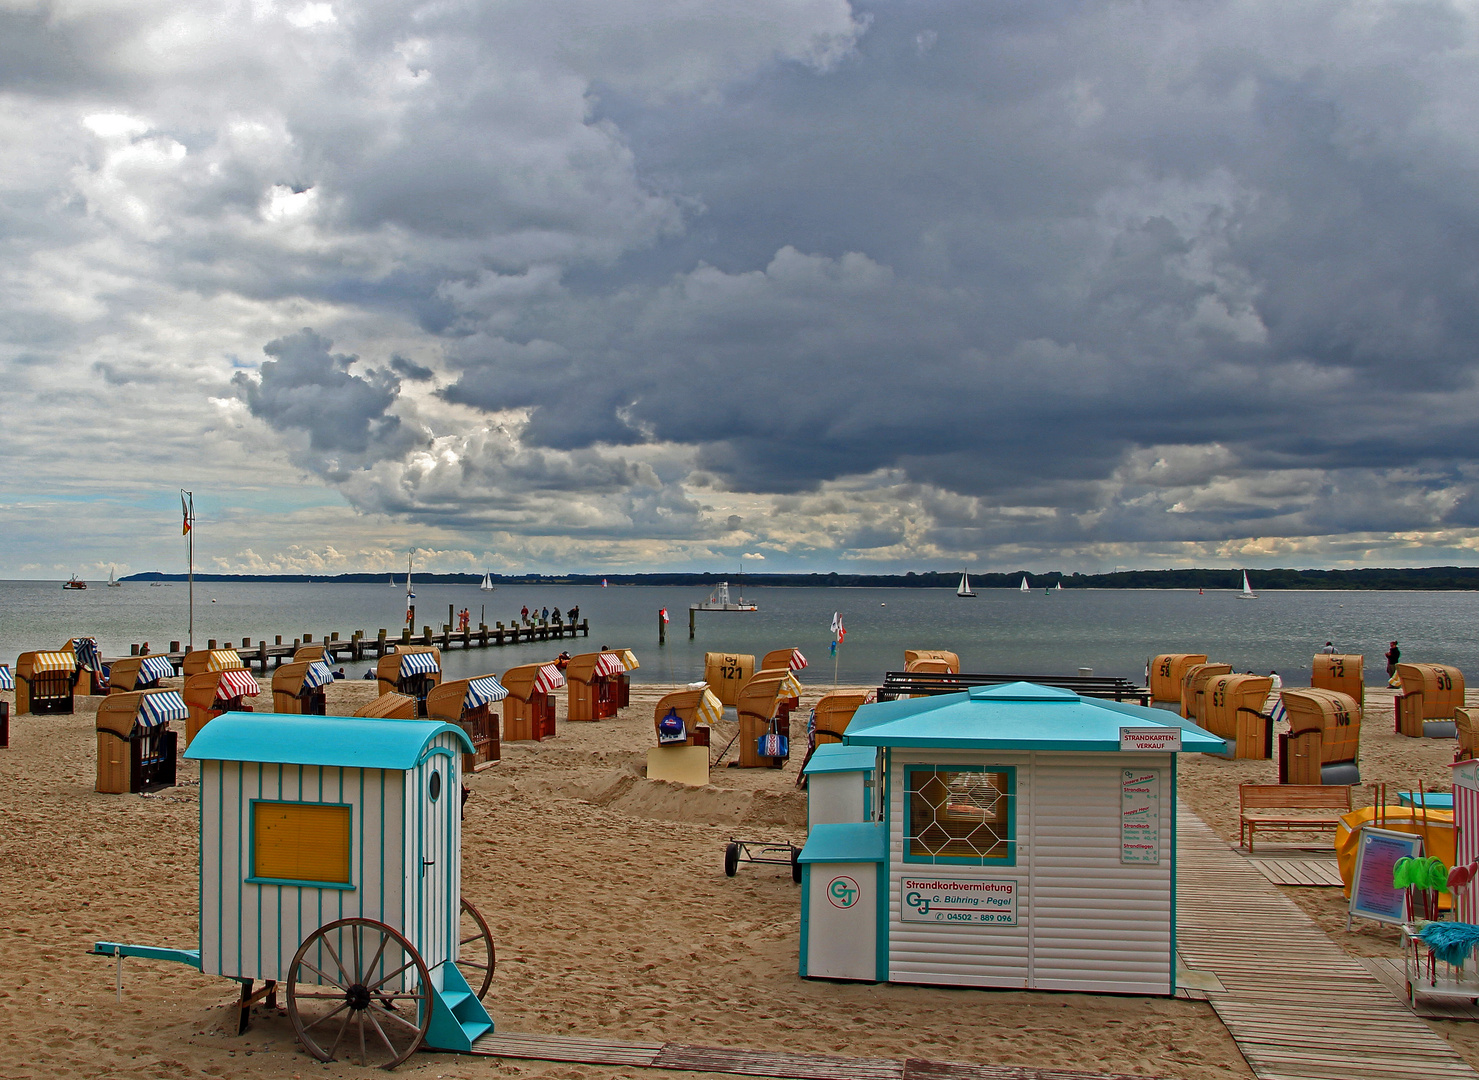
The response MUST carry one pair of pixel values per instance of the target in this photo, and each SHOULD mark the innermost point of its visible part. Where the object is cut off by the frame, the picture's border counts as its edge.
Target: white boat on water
(113, 583)
(964, 588)
(1023, 587)
(719, 601)
(1247, 593)
(392, 581)
(1058, 587)
(487, 585)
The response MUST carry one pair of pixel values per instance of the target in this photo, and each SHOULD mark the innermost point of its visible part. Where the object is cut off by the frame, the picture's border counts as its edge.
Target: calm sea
(1000, 631)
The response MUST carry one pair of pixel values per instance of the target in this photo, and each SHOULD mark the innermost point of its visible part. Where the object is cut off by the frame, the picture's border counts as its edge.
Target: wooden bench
(898, 684)
(1287, 797)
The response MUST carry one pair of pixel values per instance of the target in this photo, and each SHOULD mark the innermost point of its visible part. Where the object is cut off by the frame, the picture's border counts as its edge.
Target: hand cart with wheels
(751, 851)
(331, 870)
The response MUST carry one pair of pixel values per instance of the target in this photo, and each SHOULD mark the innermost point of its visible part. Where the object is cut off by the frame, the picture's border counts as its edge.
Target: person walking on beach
(1394, 654)
(1329, 649)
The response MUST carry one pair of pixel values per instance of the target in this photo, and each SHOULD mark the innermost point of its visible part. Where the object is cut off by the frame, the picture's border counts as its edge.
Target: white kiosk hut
(1025, 839)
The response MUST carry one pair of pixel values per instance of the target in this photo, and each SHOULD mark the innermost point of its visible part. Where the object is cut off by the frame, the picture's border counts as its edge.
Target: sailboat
(392, 581)
(113, 583)
(487, 585)
(964, 588)
(1058, 587)
(1247, 593)
(1023, 587)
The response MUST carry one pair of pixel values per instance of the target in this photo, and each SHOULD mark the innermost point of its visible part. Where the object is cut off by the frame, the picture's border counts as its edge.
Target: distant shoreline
(1421, 579)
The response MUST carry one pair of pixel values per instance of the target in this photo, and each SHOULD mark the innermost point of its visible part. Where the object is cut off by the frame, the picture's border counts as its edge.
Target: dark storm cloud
(1079, 230)
(409, 369)
(308, 388)
(877, 279)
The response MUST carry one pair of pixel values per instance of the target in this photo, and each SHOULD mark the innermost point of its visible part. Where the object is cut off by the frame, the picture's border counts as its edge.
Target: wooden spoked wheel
(475, 956)
(359, 986)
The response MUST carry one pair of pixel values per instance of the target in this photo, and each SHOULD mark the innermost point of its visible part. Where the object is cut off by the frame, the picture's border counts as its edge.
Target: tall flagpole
(187, 507)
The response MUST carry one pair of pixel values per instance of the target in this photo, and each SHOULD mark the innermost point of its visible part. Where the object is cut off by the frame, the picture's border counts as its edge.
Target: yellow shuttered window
(306, 842)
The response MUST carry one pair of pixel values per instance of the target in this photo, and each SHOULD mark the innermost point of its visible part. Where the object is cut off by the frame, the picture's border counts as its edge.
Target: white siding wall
(957, 955)
(434, 833)
(1098, 925)
(834, 797)
(250, 930)
(1084, 920)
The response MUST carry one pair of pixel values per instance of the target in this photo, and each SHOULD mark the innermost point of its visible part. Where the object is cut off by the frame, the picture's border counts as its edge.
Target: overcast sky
(794, 284)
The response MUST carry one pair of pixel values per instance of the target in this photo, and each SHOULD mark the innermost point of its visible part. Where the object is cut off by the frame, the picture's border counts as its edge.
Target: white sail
(1247, 593)
(392, 581)
(1058, 587)
(1023, 587)
(964, 588)
(487, 585)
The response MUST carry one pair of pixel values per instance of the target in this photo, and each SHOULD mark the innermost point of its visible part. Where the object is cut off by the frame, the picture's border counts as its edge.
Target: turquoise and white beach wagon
(1014, 836)
(331, 863)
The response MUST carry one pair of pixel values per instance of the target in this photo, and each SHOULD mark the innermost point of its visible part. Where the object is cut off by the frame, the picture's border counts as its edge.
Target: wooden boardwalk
(1297, 1005)
(1310, 873)
(741, 1062)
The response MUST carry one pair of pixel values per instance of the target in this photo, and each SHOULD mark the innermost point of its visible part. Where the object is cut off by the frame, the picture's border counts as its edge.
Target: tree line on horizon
(1426, 578)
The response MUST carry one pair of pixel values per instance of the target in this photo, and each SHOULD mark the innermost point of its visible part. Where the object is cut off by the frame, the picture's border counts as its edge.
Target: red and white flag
(663, 613)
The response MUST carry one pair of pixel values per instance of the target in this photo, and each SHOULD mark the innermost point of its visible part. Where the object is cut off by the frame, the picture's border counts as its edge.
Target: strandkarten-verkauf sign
(952, 900)
(1162, 740)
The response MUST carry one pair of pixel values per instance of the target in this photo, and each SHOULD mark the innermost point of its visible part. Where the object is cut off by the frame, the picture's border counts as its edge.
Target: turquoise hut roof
(349, 742)
(1014, 716)
(835, 757)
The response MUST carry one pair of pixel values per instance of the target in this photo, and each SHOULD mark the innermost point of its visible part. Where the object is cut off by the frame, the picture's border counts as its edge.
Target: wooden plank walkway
(1306, 872)
(1297, 1005)
(771, 1063)
(1389, 971)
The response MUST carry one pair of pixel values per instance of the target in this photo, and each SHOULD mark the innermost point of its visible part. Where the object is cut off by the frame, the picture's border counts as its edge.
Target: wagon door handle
(425, 862)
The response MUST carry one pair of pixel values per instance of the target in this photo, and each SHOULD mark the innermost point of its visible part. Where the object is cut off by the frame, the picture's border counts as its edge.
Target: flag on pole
(664, 613)
(839, 632)
(832, 649)
(185, 512)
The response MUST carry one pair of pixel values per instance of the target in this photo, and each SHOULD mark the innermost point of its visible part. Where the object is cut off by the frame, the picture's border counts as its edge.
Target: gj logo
(843, 892)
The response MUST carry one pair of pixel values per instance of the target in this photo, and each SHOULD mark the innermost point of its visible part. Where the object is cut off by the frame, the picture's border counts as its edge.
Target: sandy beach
(608, 903)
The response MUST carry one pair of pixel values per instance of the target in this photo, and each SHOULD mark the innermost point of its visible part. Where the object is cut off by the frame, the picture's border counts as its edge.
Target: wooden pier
(359, 646)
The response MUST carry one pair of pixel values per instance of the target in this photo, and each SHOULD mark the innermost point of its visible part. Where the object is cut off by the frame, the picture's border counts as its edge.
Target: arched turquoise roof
(350, 742)
(1014, 716)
